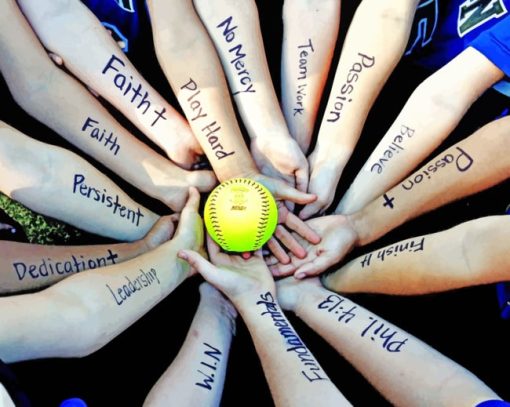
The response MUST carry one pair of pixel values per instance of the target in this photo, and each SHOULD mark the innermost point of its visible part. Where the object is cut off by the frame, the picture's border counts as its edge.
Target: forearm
(392, 360)
(191, 65)
(91, 308)
(469, 254)
(365, 64)
(430, 115)
(26, 266)
(473, 164)
(235, 30)
(57, 100)
(196, 376)
(59, 184)
(68, 29)
(293, 374)
(310, 33)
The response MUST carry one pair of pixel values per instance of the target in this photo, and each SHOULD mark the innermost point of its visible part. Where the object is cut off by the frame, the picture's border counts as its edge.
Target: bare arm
(294, 375)
(405, 370)
(472, 165)
(191, 65)
(471, 253)
(58, 100)
(94, 307)
(197, 374)
(25, 266)
(432, 112)
(69, 29)
(368, 57)
(235, 30)
(310, 32)
(57, 183)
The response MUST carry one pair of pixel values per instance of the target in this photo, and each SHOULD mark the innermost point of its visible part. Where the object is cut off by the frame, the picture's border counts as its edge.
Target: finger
(302, 229)
(284, 192)
(197, 262)
(212, 248)
(278, 251)
(271, 261)
(246, 255)
(302, 176)
(290, 242)
(310, 210)
(259, 254)
(174, 217)
(314, 268)
(193, 200)
(281, 270)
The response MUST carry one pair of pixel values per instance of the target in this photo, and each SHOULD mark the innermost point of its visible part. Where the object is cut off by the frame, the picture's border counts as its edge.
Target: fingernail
(182, 255)
(299, 276)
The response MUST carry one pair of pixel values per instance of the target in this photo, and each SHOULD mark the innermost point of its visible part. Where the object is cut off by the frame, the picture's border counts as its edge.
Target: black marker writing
(211, 130)
(47, 267)
(395, 147)
(212, 353)
(135, 92)
(103, 197)
(365, 62)
(312, 371)
(409, 246)
(304, 52)
(378, 330)
(238, 57)
(101, 135)
(132, 286)
(463, 162)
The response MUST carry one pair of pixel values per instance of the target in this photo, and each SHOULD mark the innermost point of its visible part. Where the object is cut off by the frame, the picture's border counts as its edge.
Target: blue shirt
(444, 28)
(122, 17)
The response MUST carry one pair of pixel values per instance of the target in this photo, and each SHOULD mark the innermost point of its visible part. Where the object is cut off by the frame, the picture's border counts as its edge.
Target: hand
(323, 182)
(160, 232)
(190, 230)
(183, 150)
(231, 274)
(289, 291)
(177, 186)
(338, 239)
(282, 158)
(282, 191)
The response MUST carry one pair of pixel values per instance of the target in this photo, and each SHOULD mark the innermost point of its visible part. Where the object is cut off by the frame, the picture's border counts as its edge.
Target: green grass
(39, 229)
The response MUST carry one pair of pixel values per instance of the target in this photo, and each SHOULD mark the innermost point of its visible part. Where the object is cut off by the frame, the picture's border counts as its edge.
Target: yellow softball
(240, 215)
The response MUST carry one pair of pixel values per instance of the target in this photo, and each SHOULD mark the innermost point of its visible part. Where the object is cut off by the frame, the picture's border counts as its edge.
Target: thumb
(196, 261)
(282, 191)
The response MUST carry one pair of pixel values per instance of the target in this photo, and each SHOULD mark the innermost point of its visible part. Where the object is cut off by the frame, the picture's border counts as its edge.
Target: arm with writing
(193, 69)
(293, 374)
(25, 266)
(56, 99)
(197, 374)
(57, 183)
(83, 312)
(71, 31)
(430, 115)
(472, 165)
(406, 371)
(235, 30)
(469, 254)
(309, 36)
(374, 44)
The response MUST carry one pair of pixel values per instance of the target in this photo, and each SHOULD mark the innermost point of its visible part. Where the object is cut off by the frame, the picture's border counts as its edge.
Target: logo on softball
(240, 215)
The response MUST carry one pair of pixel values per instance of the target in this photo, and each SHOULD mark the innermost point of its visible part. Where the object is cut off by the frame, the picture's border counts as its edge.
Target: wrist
(360, 227)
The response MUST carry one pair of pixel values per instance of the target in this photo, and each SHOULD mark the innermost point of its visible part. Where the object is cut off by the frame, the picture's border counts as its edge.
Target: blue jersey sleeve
(495, 44)
(493, 403)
